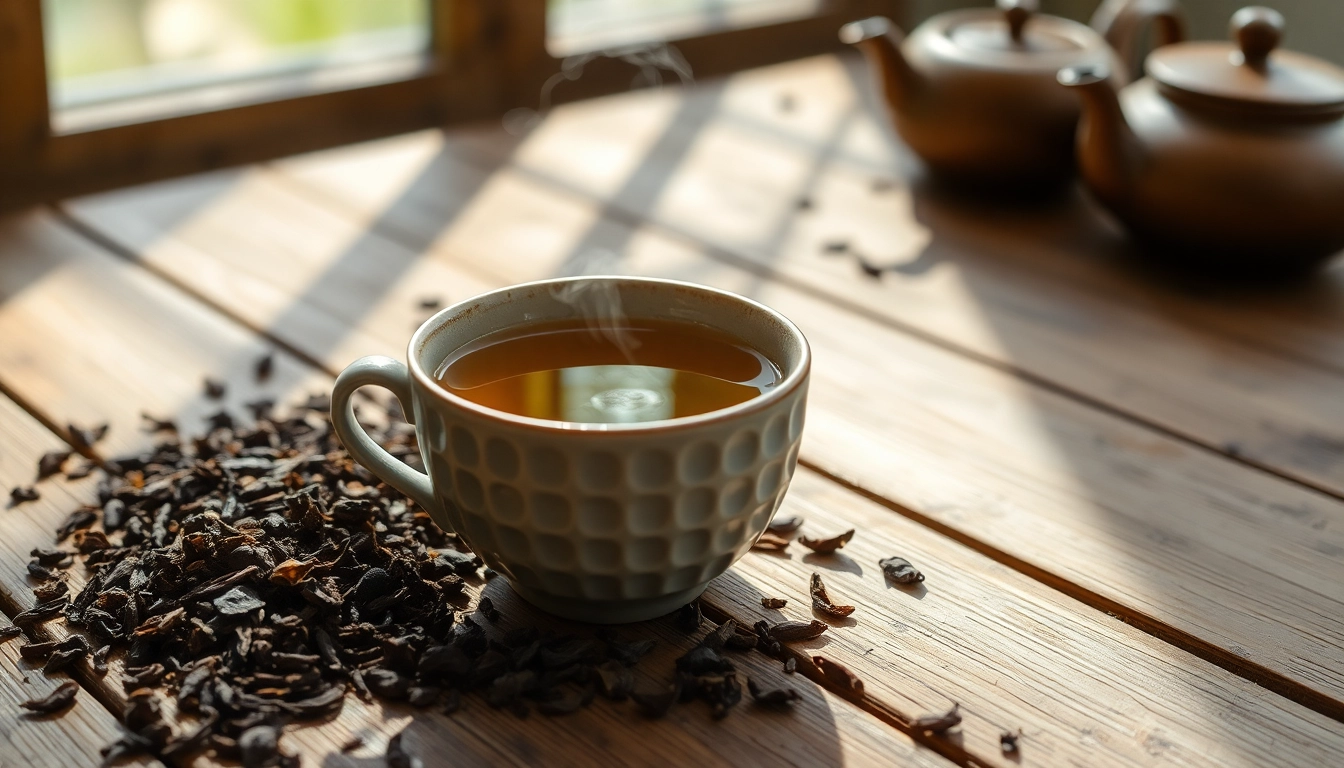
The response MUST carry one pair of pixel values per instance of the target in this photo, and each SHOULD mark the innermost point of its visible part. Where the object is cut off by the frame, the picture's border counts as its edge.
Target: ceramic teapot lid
(1251, 75)
(1019, 29)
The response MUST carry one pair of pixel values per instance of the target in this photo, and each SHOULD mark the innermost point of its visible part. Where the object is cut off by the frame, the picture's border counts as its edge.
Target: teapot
(973, 92)
(1231, 154)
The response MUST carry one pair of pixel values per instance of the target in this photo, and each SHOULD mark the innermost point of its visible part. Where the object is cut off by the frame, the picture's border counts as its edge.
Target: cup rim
(792, 379)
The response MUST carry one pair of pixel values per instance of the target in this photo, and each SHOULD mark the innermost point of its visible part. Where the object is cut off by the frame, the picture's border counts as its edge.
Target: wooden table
(1126, 489)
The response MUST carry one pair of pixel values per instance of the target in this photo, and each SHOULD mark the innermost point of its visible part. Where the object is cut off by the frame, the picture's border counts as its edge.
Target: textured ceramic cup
(606, 523)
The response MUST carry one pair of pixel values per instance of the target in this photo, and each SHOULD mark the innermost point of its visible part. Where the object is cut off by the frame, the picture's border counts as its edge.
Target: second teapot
(973, 92)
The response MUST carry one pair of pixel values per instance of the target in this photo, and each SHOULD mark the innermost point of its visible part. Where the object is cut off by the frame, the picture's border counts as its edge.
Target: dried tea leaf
(41, 572)
(771, 542)
(154, 424)
(774, 603)
(259, 746)
(487, 608)
(422, 696)
(291, 571)
(398, 757)
(615, 679)
(899, 570)
(938, 723)
(689, 617)
(20, 494)
(826, 546)
(795, 631)
(51, 463)
(40, 613)
(59, 699)
(658, 703)
(835, 246)
(704, 660)
(431, 302)
(822, 603)
(214, 388)
(86, 437)
(355, 742)
(776, 697)
(238, 600)
(38, 651)
(264, 367)
(839, 677)
(785, 526)
(1008, 741)
(49, 555)
(79, 519)
(868, 268)
(9, 632)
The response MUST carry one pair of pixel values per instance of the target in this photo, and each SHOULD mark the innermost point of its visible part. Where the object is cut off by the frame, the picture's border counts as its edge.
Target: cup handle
(392, 375)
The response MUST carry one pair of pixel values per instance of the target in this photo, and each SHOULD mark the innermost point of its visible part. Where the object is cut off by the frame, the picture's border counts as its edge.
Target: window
(96, 94)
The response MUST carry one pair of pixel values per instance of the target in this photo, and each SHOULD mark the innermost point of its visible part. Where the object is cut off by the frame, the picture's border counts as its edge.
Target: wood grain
(317, 270)
(142, 345)
(1051, 291)
(1232, 564)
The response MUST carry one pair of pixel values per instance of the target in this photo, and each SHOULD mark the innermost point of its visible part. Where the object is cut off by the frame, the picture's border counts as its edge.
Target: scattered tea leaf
(264, 367)
(774, 603)
(259, 746)
(431, 302)
(776, 697)
(657, 703)
(51, 463)
(795, 631)
(839, 677)
(689, 617)
(804, 204)
(152, 424)
(785, 526)
(214, 388)
(822, 603)
(238, 600)
(938, 723)
(21, 494)
(9, 632)
(868, 268)
(899, 570)
(771, 542)
(351, 744)
(827, 546)
(835, 247)
(57, 700)
(487, 608)
(86, 437)
(1008, 741)
(78, 520)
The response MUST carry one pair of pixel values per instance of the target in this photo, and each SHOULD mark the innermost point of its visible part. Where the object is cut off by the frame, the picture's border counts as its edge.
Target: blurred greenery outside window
(103, 51)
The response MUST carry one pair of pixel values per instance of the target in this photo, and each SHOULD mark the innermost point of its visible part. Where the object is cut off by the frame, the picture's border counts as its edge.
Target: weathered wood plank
(148, 346)
(67, 738)
(1235, 565)
(531, 230)
(1045, 291)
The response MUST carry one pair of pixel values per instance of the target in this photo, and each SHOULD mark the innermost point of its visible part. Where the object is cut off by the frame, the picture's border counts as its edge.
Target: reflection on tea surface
(641, 370)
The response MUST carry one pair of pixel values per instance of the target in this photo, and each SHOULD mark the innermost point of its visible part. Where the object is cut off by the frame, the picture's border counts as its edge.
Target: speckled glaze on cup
(606, 523)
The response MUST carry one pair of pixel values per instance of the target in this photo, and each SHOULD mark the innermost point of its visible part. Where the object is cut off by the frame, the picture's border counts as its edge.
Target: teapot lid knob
(1257, 31)
(1017, 12)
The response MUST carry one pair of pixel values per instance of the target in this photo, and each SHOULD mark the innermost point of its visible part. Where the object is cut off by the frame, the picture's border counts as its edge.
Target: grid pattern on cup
(607, 517)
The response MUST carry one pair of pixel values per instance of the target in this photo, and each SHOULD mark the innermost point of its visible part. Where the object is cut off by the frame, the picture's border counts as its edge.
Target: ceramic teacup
(606, 523)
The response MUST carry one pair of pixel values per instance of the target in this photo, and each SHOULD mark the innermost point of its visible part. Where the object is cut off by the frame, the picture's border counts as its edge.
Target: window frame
(485, 57)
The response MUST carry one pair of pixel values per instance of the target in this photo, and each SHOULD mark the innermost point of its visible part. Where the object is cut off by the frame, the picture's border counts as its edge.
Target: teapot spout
(880, 40)
(1108, 152)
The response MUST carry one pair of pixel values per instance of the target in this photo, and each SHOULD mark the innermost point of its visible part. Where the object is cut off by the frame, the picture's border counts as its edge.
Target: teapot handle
(1123, 22)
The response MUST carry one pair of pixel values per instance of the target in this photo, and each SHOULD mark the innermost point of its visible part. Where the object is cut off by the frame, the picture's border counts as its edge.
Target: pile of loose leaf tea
(257, 574)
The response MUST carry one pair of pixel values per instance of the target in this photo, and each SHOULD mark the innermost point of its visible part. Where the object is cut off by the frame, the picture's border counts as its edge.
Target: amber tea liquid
(633, 371)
